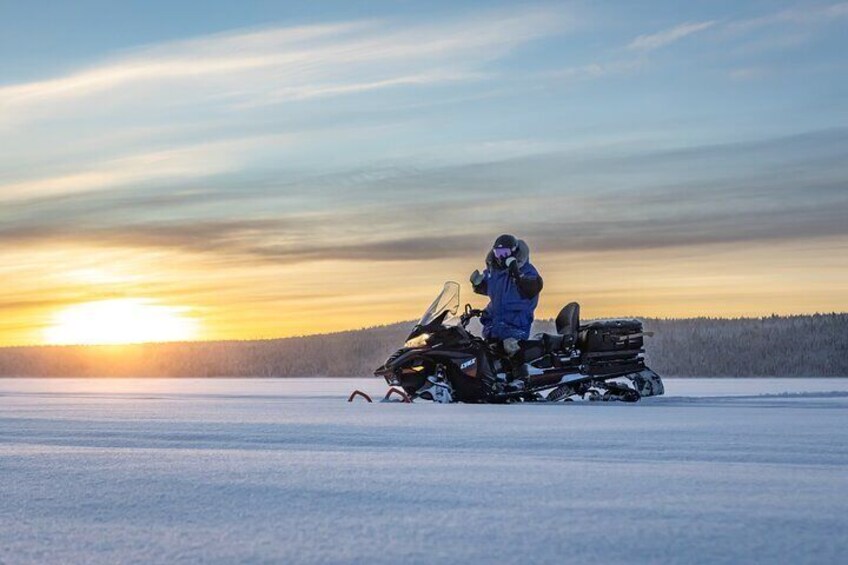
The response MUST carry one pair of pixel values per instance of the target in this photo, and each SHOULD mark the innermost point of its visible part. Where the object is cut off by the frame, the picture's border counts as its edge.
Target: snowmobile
(442, 361)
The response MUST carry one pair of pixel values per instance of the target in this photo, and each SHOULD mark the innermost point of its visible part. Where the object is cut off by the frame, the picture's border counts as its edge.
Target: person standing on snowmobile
(513, 285)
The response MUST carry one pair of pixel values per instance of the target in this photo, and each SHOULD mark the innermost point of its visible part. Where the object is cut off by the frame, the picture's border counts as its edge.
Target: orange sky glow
(184, 297)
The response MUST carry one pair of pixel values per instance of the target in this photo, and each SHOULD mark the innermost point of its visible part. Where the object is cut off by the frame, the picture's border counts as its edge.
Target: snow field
(227, 471)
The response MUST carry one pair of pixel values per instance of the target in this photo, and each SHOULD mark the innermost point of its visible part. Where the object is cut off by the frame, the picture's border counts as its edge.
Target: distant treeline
(782, 346)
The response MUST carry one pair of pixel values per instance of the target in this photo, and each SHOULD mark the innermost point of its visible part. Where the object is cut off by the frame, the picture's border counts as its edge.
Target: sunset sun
(119, 321)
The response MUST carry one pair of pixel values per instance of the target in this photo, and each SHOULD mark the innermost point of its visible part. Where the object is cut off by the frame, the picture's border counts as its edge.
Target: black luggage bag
(611, 338)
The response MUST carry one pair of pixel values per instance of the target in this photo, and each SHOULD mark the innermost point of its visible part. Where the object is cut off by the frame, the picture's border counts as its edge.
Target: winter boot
(513, 350)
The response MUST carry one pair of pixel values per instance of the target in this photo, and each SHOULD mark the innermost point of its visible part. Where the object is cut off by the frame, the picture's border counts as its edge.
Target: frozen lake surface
(135, 470)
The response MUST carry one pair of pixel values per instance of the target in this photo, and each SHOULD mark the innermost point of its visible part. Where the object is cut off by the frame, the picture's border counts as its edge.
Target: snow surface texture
(231, 471)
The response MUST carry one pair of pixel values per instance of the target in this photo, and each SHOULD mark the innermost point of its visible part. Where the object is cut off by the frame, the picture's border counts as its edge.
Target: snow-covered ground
(286, 471)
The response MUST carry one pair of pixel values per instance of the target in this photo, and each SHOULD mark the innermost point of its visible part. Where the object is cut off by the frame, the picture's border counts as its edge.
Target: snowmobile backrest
(568, 321)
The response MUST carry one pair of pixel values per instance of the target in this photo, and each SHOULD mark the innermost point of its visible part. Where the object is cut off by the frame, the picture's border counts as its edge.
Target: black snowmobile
(442, 361)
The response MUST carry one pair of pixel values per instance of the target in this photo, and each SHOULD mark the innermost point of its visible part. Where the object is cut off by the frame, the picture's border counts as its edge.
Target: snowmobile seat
(556, 342)
(568, 320)
(548, 343)
(532, 348)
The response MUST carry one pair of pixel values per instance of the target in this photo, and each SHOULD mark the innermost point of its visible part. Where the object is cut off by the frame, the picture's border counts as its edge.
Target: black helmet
(504, 247)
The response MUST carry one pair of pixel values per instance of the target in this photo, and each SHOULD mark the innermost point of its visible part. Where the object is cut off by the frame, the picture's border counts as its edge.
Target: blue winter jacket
(510, 312)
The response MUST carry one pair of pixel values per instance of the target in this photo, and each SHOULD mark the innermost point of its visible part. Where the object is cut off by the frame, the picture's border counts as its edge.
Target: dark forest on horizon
(774, 346)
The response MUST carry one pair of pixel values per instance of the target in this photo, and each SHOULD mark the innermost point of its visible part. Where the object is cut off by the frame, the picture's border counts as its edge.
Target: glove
(476, 278)
(512, 265)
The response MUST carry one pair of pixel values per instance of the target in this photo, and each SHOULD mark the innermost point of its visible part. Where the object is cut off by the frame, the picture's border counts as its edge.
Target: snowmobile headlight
(417, 341)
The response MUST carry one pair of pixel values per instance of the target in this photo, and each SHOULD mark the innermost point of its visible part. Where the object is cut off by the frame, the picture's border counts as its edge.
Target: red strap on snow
(356, 393)
(404, 397)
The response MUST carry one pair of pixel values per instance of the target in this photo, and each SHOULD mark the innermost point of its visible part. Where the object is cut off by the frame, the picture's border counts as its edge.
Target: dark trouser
(513, 351)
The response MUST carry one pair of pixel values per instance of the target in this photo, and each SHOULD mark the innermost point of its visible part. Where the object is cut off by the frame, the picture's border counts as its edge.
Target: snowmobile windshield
(447, 302)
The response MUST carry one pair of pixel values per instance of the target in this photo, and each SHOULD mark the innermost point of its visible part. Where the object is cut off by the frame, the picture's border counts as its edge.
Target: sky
(265, 169)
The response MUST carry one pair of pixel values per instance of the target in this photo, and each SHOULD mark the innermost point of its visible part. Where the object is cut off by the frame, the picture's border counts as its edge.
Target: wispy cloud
(176, 164)
(652, 41)
(785, 30)
(723, 199)
(797, 16)
(240, 82)
(218, 54)
(753, 35)
(331, 89)
(748, 73)
(289, 63)
(596, 70)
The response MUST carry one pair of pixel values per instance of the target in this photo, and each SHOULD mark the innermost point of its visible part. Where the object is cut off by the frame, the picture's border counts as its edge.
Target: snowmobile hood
(522, 255)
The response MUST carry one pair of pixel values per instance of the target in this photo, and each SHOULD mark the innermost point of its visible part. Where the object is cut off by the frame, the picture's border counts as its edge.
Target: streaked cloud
(181, 163)
(797, 17)
(695, 197)
(186, 88)
(794, 16)
(287, 63)
(652, 41)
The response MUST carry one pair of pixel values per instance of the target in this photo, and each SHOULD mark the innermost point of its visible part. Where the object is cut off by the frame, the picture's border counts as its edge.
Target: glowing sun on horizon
(119, 321)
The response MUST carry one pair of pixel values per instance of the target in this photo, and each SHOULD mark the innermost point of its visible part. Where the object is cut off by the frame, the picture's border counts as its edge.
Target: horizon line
(399, 322)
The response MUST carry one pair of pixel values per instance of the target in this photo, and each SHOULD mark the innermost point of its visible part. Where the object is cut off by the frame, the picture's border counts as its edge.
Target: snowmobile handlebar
(469, 314)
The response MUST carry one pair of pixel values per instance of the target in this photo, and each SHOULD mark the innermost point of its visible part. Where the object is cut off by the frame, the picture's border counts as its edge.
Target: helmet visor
(502, 253)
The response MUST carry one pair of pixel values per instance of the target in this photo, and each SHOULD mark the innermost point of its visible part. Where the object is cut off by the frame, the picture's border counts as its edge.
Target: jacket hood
(522, 255)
